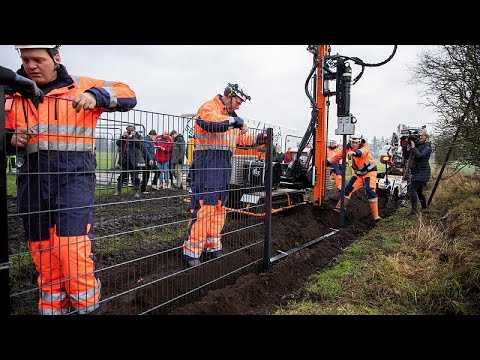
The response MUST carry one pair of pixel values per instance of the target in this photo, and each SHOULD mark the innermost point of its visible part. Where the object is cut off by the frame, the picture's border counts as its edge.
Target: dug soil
(160, 278)
(263, 293)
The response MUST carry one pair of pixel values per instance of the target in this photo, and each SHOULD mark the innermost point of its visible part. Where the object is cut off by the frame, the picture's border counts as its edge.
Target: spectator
(278, 156)
(163, 146)
(149, 155)
(419, 157)
(288, 158)
(177, 159)
(56, 183)
(132, 160)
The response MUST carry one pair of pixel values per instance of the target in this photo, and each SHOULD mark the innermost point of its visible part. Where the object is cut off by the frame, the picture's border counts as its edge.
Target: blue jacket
(148, 148)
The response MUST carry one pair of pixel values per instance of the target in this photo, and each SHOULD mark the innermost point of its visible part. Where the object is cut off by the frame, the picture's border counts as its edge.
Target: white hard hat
(17, 47)
(356, 137)
(238, 89)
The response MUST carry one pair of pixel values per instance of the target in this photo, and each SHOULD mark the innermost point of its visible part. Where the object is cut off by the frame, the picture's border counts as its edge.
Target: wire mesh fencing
(105, 215)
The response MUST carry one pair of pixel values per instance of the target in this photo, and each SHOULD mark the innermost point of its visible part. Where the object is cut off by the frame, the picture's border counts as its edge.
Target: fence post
(268, 200)
(4, 264)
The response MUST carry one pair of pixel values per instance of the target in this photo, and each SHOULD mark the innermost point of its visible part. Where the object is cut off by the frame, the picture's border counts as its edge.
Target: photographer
(132, 160)
(419, 151)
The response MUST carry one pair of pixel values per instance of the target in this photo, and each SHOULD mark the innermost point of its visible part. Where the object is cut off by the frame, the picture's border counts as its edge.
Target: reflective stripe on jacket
(362, 161)
(214, 128)
(55, 125)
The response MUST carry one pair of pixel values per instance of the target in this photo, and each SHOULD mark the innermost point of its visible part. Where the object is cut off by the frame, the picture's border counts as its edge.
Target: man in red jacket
(163, 147)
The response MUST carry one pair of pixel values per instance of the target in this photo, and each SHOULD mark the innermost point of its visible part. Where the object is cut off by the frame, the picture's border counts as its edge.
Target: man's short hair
(152, 132)
(130, 128)
(173, 132)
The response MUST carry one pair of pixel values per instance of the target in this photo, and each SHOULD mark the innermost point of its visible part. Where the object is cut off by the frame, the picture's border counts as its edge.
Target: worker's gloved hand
(351, 153)
(151, 162)
(27, 88)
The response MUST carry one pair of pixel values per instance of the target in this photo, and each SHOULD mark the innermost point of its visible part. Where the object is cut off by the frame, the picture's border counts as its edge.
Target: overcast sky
(178, 79)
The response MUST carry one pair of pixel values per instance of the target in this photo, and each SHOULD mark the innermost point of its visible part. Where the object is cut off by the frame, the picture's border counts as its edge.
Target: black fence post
(268, 200)
(4, 263)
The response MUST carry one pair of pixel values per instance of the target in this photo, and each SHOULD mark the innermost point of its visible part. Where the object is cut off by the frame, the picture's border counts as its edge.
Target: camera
(413, 135)
(414, 138)
(21, 156)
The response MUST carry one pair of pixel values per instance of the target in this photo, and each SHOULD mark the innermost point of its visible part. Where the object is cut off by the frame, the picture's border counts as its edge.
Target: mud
(166, 276)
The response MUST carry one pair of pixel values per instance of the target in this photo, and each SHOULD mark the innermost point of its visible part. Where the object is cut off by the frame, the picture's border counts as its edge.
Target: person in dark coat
(419, 157)
(177, 159)
(149, 155)
(132, 160)
(278, 156)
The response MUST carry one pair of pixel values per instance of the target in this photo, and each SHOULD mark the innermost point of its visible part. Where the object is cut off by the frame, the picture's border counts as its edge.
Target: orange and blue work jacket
(362, 160)
(216, 130)
(216, 136)
(54, 124)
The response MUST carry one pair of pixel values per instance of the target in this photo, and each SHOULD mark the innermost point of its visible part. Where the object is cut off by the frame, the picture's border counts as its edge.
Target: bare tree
(450, 75)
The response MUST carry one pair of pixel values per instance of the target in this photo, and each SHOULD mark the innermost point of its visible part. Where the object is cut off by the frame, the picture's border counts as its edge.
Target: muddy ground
(252, 293)
(263, 293)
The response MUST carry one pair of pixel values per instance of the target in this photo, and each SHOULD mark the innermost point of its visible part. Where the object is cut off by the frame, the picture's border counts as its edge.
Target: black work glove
(27, 88)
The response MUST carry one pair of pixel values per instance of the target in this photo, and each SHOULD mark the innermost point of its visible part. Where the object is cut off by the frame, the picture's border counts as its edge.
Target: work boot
(374, 209)
(210, 255)
(424, 204)
(193, 262)
(413, 212)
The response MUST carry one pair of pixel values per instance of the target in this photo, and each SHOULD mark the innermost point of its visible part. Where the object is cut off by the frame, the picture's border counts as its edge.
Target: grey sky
(178, 79)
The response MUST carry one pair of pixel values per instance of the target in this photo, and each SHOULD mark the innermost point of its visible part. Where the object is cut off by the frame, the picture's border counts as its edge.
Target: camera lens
(20, 159)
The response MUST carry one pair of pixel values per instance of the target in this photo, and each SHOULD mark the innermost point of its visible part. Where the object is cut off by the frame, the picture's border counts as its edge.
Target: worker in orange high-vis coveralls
(218, 130)
(365, 173)
(333, 150)
(56, 183)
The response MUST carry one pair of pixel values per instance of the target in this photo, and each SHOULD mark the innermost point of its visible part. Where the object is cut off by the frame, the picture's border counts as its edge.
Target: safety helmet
(236, 88)
(17, 47)
(52, 50)
(332, 143)
(358, 139)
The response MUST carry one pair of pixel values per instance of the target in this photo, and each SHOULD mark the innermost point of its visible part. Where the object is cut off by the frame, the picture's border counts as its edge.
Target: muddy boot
(374, 209)
(210, 255)
(413, 211)
(194, 262)
(424, 204)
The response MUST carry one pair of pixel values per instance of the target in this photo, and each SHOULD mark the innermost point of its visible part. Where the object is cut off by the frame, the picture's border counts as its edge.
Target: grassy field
(426, 264)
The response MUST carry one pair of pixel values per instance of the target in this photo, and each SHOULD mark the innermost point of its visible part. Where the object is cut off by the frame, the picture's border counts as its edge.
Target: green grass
(11, 184)
(105, 160)
(406, 265)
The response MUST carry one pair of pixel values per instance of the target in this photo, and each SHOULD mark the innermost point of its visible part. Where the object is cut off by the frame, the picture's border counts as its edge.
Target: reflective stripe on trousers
(205, 228)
